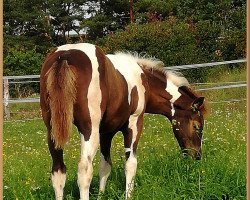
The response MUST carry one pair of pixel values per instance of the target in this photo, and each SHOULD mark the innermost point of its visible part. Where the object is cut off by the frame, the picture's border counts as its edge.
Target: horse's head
(188, 123)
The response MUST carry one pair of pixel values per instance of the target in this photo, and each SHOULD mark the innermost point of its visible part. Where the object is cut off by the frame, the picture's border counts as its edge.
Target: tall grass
(163, 173)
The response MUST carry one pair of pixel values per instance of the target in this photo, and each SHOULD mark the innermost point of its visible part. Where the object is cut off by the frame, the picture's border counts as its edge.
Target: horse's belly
(113, 122)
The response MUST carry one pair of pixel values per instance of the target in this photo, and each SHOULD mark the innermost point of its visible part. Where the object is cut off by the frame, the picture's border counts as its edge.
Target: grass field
(163, 173)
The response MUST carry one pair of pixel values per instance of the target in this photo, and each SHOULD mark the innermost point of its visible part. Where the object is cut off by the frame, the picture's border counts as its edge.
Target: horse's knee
(85, 172)
(131, 164)
(105, 166)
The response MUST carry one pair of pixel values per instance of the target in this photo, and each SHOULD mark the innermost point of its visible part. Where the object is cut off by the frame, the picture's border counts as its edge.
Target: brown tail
(61, 88)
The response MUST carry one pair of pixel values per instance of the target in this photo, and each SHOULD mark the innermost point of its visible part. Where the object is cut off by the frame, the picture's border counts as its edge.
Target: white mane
(153, 64)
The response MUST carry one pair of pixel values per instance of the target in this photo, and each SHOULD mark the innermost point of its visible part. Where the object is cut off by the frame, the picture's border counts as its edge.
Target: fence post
(6, 97)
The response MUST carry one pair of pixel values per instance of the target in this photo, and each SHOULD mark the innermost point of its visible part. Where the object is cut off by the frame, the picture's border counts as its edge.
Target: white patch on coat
(172, 89)
(127, 150)
(94, 91)
(130, 70)
(174, 79)
(58, 181)
(151, 63)
(104, 172)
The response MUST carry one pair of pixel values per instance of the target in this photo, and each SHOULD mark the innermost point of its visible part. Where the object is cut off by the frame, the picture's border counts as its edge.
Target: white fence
(7, 80)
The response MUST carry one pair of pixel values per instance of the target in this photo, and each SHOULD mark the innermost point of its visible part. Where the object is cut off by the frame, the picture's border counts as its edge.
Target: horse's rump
(61, 90)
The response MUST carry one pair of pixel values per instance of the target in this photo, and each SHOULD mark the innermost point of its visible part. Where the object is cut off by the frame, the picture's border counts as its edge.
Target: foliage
(171, 41)
(97, 26)
(47, 21)
(22, 62)
(177, 43)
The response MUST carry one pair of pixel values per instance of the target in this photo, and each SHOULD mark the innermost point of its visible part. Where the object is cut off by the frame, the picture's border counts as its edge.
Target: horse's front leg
(131, 137)
(89, 146)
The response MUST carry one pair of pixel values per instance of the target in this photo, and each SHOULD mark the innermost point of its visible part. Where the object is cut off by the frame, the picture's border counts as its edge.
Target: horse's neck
(158, 98)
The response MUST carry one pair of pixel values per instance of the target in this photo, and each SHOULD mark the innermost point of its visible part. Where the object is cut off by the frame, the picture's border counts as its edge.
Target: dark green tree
(107, 17)
(42, 23)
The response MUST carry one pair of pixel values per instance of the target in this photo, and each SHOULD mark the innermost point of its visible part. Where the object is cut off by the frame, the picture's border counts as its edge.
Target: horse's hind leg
(105, 160)
(89, 147)
(58, 175)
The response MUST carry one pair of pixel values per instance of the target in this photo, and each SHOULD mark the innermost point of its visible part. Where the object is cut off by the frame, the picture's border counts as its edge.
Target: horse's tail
(61, 88)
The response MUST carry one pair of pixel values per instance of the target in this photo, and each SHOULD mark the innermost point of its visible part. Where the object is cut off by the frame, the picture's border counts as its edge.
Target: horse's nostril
(198, 157)
(184, 152)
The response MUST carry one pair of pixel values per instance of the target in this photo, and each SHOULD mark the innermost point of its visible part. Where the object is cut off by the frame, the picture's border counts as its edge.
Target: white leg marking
(85, 167)
(172, 109)
(127, 150)
(104, 172)
(58, 182)
(130, 171)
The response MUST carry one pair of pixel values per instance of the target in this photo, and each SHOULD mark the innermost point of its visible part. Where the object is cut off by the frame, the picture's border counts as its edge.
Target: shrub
(22, 62)
(170, 41)
(18, 61)
(176, 43)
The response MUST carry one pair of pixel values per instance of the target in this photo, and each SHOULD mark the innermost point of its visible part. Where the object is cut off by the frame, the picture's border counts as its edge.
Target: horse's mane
(153, 64)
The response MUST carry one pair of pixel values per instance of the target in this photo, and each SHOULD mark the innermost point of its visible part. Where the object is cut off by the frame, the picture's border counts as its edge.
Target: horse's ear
(198, 102)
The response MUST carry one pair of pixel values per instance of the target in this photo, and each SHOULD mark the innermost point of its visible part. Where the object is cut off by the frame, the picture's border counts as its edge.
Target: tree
(108, 16)
(46, 22)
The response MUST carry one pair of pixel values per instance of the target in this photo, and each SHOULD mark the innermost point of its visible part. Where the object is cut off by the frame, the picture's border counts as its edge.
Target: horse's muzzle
(193, 153)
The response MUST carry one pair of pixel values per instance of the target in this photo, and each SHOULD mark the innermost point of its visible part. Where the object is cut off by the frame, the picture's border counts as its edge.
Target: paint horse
(103, 94)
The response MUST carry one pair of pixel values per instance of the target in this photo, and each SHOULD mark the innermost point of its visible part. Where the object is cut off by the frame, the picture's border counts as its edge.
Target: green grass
(163, 173)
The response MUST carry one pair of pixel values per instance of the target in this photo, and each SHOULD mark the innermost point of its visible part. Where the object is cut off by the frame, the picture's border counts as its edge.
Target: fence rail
(7, 80)
(181, 67)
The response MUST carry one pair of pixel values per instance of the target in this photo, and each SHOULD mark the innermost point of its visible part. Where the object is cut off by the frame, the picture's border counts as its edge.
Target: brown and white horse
(103, 94)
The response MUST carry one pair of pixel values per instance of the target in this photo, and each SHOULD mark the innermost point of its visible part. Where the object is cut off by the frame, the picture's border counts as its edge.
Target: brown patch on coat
(117, 109)
(134, 99)
(158, 99)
